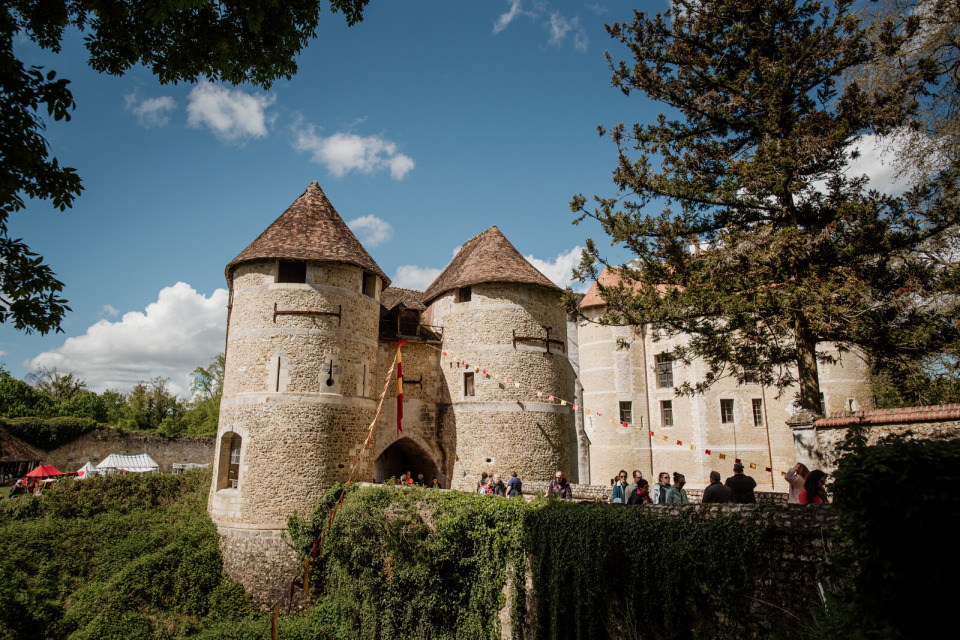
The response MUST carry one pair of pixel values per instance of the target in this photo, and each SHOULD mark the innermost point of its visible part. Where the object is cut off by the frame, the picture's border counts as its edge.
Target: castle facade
(496, 378)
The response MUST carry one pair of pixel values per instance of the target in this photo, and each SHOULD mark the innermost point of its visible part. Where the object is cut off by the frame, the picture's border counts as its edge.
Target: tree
(18, 399)
(180, 41)
(58, 386)
(149, 404)
(773, 248)
(926, 35)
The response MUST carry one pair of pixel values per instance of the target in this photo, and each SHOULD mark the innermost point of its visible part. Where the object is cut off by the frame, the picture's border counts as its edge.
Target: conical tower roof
(488, 257)
(310, 229)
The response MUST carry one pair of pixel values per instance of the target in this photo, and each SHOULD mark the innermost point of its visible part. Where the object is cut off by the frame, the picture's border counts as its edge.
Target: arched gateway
(406, 455)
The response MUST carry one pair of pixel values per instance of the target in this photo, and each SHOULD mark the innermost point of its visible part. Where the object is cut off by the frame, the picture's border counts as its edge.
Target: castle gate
(406, 455)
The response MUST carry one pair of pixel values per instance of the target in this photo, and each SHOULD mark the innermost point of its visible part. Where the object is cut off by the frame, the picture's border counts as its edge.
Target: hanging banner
(400, 387)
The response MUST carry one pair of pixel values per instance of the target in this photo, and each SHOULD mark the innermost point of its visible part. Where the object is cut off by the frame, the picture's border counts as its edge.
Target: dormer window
(464, 294)
(370, 285)
(291, 271)
(409, 323)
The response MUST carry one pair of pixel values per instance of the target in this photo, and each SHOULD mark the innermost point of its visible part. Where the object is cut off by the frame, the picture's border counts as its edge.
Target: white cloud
(559, 27)
(559, 269)
(372, 231)
(876, 162)
(2, 353)
(342, 153)
(109, 310)
(506, 18)
(410, 276)
(233, 115)
(183, 329)
(150, 112)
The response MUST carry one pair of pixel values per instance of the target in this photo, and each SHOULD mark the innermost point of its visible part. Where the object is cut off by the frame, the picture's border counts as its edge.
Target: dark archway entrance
(405, 455)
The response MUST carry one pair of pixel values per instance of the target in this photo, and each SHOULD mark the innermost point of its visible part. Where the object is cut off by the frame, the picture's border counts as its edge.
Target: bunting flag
(550, 398)
(723, 456)
(753, 466)
(563, 403)
(400, 387)
(651, 434)
(574, 406)
(306, 577)
(587, 411)
(624, 424)
(679, 443)
(767, 469)
(706, 451)
(693, 447)
(665, 438)
(484, 372)
(736, 460)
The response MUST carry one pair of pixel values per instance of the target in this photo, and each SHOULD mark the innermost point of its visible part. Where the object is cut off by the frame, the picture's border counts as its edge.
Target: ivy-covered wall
(417, 563)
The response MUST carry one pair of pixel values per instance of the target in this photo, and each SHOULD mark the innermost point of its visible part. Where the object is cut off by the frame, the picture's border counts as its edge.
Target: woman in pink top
(795, 478)
(815, 489)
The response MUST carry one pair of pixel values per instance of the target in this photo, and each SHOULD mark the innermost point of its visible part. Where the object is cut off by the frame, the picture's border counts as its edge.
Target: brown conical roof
(310, 229)
(488, 257)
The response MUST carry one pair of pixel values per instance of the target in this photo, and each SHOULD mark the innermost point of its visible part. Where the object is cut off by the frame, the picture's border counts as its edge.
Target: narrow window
(726, 412)
(757, 412)
(750, 377)
(464, 294)
(666, 413)
(664, 371)
(370, 285)
(468, 384)
(823, 404)
(852, 404)
(626, 412)
(233, 473)
(291, 271)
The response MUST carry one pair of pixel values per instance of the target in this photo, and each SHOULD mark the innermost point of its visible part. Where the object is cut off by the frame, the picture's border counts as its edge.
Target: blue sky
(425, 124)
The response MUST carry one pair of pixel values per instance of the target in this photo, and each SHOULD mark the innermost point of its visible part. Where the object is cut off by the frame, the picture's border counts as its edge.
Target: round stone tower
(502, 315)
(298, 392)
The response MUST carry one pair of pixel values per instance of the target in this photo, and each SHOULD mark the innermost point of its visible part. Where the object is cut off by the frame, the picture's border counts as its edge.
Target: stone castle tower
(501, 315)
(301, 356)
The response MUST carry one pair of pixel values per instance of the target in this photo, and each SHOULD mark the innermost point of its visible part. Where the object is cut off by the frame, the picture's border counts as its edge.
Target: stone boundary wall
(97, 445)
(593, 491)
(817, 442)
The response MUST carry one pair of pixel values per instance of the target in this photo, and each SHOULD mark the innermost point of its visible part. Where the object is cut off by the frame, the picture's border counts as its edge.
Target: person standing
(637, 476)
(741, 486)
(815, 488)
(641, 494)
(660, 489)
(482, 483)
(618, 494)
(497, 485)
(677, 494)
(559, 487)
(795, 478)
(514, 486)
(716, 493)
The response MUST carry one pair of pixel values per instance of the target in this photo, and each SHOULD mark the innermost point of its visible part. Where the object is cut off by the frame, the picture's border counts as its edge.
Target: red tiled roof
(487, 257)
(609, 277)
(933, 413)
(310, 229)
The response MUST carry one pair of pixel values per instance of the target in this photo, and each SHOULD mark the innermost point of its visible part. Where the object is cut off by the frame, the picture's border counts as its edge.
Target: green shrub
(49, 433)
(897, 505)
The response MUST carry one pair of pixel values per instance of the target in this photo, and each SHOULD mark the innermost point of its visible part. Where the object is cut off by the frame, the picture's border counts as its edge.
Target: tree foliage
(750, 234)
(179, 41)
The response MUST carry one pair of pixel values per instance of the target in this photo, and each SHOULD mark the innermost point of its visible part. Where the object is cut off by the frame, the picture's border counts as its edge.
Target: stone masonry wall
(97, 445)
(505, 425)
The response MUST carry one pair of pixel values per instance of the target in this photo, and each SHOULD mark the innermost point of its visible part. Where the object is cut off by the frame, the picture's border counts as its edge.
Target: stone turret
(496, 311)
(298, 391)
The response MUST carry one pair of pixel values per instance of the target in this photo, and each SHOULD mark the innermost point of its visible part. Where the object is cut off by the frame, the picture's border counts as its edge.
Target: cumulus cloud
(233, 115)
(183, 329)
(342, 153)
(876, 162)
(371, 230)
(559, 269)
(411, 276)
(150, 112)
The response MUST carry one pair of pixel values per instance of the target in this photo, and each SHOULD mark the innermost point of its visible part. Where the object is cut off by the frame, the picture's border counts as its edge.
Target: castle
(497, 377)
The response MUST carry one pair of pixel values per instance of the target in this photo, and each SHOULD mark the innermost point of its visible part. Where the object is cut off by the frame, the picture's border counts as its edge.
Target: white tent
(87, 471)
(141, 463)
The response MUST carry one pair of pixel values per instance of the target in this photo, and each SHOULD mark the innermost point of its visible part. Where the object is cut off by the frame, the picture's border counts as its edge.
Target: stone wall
(97, 445)
(817, 442)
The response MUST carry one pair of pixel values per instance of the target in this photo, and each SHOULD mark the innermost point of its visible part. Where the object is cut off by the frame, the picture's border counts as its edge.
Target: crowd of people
(406, 478)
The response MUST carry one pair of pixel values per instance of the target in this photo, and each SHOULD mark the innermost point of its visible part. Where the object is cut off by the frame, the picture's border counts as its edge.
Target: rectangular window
(726, 412)
(370, 285)
(233, 471)
(823, 404)
(464, 294)
(664, 371)
(626, 412)
(291, 271)
(666, 413)
(750, 377)
(852, 404)
(757, 412)
(468, 384)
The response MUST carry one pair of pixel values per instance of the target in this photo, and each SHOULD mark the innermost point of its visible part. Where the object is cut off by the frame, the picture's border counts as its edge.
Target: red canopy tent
(45, 471)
